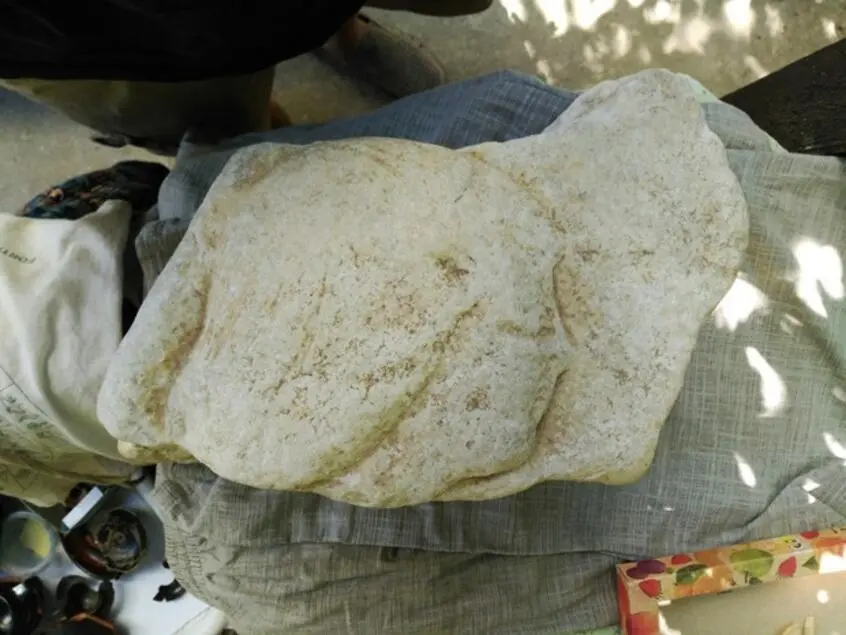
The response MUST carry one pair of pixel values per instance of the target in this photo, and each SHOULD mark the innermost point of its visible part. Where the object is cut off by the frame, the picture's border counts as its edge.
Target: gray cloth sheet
(755, 446)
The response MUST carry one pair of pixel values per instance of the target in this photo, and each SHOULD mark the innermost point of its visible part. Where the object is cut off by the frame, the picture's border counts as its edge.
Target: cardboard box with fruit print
(643, 587)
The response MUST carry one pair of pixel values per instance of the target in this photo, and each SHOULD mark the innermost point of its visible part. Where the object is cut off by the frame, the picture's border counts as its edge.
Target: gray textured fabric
(495, 107)
(155, 244)
(754, 447)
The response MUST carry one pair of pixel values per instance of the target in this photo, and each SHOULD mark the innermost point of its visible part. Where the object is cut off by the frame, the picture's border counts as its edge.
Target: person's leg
(156, 115)
(388, 60)
(356, 27)
(383, 58)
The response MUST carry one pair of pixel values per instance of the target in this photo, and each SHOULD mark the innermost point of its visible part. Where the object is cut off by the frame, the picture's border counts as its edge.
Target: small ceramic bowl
(109, 545)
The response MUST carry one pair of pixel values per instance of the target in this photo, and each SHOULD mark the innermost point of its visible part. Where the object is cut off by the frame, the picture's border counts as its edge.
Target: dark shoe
(392, 62)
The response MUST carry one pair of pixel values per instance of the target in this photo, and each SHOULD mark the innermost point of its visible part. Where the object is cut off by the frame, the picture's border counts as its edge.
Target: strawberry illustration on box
(643, 587)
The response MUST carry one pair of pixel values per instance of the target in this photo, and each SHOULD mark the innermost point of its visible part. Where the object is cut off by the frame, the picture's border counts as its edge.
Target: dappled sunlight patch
(585, 41)
(740, 33)
(774, 21)
(555, 14)
(753, 64)
(561, 15)
(665, 628)
(820, 268)
(830, 29)
(789, 324)
(745, 471)
(644, 54)
(594, 54)
(809, 486)
(834, 446)
(690, 36)
(621, 43)
(663, 12)
(739, 304)
(544, 71)
(739, 17)
(665, 508)
(586, 13)
(773, 388)
(516, 10)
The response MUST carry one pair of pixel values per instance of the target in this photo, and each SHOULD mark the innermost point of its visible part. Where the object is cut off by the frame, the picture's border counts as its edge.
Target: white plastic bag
(60, 322)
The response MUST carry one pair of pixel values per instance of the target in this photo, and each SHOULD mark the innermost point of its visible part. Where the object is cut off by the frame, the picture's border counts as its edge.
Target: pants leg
(156, 115)
(326, 589)
(440, 8)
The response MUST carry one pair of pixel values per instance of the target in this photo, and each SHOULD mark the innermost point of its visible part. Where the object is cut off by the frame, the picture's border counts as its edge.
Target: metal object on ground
(170, 592)
(86, 504)
(83, 610)
(21, 607)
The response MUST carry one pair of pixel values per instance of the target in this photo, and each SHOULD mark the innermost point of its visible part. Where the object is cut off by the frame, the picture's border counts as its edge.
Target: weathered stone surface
(387, 323)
